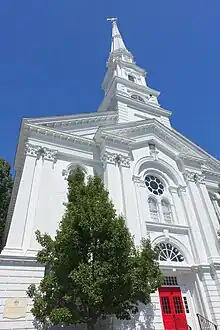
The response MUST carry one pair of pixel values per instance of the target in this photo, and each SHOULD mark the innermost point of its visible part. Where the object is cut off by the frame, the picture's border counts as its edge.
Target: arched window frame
(154, 214)
(167, 216)
(170, 253)
(166, 196)
(216, 204)
(71, 167)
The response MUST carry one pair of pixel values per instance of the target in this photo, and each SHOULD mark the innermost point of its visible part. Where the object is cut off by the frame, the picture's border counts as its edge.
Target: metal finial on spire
(117, 41)
(112, 19)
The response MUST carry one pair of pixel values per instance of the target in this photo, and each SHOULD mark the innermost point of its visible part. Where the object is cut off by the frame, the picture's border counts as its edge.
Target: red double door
(173, 312)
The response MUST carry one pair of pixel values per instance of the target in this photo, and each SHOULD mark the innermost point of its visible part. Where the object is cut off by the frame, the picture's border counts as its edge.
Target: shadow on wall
(140, 321)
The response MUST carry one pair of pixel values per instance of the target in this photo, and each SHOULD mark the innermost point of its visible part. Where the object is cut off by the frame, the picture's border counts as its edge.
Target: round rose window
(154, 185)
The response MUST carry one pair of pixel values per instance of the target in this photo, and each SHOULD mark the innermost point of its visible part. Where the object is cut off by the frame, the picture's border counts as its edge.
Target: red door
(174, 317)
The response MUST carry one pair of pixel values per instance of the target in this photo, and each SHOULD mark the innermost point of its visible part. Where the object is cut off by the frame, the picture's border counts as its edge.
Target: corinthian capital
(116, 159)
(193, 176)
(41, 152)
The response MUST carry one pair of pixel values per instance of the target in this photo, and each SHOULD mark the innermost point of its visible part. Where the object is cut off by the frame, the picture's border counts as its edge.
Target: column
(176, 207)
(209, 278)
(112, 179)
(43, 171)
(141, 199)
(209, 207)
(135, 223)
(194, 229)
(24, 204)
(194, 182)
(216, 203)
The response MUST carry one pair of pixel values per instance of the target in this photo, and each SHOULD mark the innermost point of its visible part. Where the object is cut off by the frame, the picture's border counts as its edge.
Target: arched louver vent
(137, 98)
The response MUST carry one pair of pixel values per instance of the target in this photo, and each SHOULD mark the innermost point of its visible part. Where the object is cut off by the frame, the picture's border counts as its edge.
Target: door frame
(169, 289)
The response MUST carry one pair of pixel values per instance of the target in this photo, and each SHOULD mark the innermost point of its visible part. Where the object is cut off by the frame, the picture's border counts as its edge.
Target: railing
(205, 324)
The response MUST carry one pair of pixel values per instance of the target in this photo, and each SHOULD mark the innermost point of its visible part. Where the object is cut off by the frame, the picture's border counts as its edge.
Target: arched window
(153, 207)
(167, 252)
(167, 213)
(216, 204)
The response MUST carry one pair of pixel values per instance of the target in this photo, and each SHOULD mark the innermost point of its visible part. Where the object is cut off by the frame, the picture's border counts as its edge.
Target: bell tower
(125, 85)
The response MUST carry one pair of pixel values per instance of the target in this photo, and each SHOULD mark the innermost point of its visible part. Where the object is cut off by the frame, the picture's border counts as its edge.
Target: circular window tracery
(167, 252)
(154, 185)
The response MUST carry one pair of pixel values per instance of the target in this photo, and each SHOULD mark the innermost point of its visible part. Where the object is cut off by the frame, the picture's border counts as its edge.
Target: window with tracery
(167, 213)
(153, 207)
(154, 185)
(168, 252)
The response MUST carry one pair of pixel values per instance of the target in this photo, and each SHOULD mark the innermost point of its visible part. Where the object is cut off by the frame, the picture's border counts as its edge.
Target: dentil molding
(41, 152)
(116, 159)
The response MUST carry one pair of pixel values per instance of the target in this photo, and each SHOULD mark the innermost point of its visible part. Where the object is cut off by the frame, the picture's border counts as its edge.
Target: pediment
(139, 133)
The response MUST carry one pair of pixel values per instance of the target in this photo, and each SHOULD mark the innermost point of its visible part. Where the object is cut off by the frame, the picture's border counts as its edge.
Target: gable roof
(133, 135)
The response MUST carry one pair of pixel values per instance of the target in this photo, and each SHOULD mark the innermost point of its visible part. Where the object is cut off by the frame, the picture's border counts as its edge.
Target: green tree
(6, 184)
(93, 267)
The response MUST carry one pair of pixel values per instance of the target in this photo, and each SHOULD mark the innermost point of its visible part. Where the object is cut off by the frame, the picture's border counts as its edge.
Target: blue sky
(53, 55)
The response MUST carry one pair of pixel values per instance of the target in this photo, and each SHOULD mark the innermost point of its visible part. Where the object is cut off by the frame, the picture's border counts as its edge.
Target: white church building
(166, 187)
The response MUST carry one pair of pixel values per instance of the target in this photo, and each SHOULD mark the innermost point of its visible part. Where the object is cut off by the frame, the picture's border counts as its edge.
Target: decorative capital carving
(193, 176)
(116, 159)
(41, 152)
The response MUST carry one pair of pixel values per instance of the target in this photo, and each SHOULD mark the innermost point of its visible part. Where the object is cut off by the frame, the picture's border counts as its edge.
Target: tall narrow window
(216, 205)
(167, 213)
(154, 214)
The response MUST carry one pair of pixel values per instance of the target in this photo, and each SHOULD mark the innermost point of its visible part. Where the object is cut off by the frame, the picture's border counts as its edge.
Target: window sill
(173, 228)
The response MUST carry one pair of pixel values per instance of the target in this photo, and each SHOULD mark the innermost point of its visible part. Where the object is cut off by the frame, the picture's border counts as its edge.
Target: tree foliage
(93, 267)
(6, 184)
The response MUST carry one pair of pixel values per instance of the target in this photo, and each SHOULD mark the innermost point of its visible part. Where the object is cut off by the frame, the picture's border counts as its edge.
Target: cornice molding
(147, 107)
(75, 139)
(116, 159)
(56, 122)
(194, 159)
(213, 174)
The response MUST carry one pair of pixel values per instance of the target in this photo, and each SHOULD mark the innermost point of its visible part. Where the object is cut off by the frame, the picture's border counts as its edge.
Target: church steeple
(118, 48)
(126, 90)
(117, 41)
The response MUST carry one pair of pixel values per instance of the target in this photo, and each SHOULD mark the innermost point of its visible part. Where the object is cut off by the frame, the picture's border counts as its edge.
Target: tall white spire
(117, 45)
(117, 41)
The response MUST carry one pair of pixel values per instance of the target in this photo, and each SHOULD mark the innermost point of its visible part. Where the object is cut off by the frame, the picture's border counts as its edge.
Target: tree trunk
(90, 326)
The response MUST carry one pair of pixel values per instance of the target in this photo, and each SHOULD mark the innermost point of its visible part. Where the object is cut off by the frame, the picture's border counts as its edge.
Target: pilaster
(143, 214)
(176, 206)
(192, 221)
(195, 182)
(23, 216)
(112, 177)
